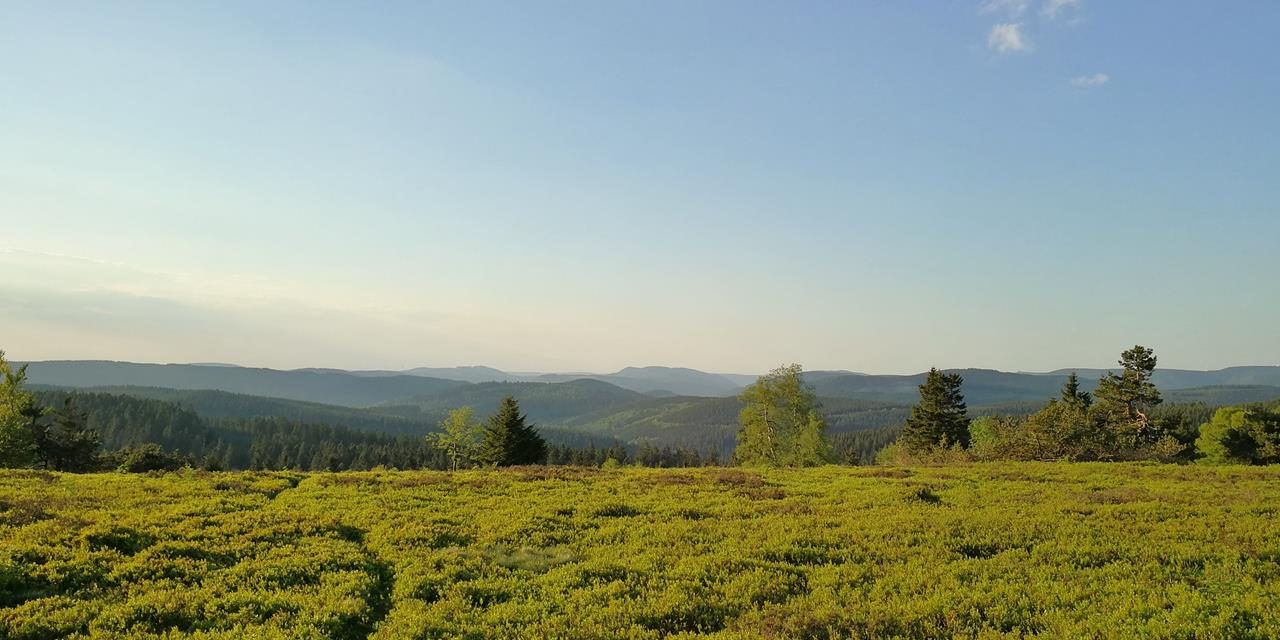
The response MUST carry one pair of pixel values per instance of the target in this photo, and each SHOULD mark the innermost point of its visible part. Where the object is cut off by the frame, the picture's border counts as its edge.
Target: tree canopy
(1241, 435)
(781, 423)
(941, 419)
(461, 435)
(509, 440)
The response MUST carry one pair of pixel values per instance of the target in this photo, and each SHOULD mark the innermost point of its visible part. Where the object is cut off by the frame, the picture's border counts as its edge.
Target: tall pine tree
(509, 440)
(1125, 397)
(941, 419)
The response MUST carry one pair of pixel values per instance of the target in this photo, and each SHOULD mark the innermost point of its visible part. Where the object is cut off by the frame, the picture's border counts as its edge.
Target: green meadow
(998, 550)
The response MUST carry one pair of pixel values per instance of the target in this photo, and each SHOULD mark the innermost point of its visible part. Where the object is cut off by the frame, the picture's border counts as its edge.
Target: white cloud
(1052, 8)
(1008, 38)
(1013, 8)
(1095, 80)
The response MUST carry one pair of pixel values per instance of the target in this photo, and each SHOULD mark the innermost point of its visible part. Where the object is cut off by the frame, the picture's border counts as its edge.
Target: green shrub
(1240, 435)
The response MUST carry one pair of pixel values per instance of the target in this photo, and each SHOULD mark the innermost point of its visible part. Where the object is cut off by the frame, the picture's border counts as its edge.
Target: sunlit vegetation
(990, 550)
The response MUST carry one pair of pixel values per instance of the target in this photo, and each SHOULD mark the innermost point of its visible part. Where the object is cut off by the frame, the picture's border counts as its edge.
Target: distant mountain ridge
(372, 388)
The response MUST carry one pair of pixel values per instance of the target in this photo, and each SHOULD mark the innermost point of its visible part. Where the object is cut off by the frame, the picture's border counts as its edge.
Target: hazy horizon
(1011, 185)
(1111, 367)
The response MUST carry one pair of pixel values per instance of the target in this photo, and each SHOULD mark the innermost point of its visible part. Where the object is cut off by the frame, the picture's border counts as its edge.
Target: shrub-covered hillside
(998, 550)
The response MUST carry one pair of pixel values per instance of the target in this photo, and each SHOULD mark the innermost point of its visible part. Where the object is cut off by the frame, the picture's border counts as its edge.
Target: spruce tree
(941, 418)
(509, 440)
(1073, 394)
(64, 441)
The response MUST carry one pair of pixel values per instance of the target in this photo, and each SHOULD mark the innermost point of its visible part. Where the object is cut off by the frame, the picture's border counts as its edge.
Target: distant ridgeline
(431, 389)
(242, 418)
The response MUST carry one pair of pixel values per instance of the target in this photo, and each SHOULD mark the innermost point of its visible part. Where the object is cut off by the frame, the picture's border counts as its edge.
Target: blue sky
(877, 186)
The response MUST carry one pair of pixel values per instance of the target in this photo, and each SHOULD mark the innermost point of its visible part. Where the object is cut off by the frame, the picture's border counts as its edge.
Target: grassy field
(987, 551)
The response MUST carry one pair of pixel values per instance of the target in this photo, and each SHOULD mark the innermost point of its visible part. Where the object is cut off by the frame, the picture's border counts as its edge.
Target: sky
(582, 186)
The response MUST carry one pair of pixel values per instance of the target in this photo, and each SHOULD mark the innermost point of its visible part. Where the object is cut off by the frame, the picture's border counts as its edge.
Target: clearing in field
(1000, 550)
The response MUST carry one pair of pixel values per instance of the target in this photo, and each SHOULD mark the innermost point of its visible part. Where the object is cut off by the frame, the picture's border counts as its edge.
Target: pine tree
(941, 418)
(508, 440)
(1125, 397)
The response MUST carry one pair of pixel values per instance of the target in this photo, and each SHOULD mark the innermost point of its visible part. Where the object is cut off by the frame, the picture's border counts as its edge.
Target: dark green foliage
(1073, 394)
(1126, 397)
(1241, 435)
(126, 423)
(222, 404)
(508, 440)
(150, 457)
(941, 418)
(65, 442)
(861, 447)
(1063, 430)
(667, 456)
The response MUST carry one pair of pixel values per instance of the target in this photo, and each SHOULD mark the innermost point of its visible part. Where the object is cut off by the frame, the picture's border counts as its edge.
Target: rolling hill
(407, 404)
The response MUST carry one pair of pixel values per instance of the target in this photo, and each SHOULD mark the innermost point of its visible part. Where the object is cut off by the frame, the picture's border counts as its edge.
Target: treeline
(94, 431)
(862, 447)
(646, 455)
(1120, 420)
(222, 404)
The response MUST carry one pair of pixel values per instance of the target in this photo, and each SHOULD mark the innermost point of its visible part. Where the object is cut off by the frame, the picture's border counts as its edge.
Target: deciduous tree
(1241, 435)
(461, 435)
(781, 423)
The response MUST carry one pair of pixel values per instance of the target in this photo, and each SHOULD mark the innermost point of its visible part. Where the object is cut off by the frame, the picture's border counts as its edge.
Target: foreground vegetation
(991, 550)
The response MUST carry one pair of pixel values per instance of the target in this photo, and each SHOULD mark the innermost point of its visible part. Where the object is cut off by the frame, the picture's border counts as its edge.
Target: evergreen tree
(1073, 394)
(781, 424)
(508, 440)
(1125, 397)
(941, 418)
(18, 412)
(64, 441)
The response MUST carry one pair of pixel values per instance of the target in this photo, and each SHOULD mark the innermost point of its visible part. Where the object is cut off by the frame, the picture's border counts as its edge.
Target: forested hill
(339, 438)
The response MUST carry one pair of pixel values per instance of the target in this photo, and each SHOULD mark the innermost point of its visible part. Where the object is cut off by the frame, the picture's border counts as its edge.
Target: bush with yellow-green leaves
(973, 551)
